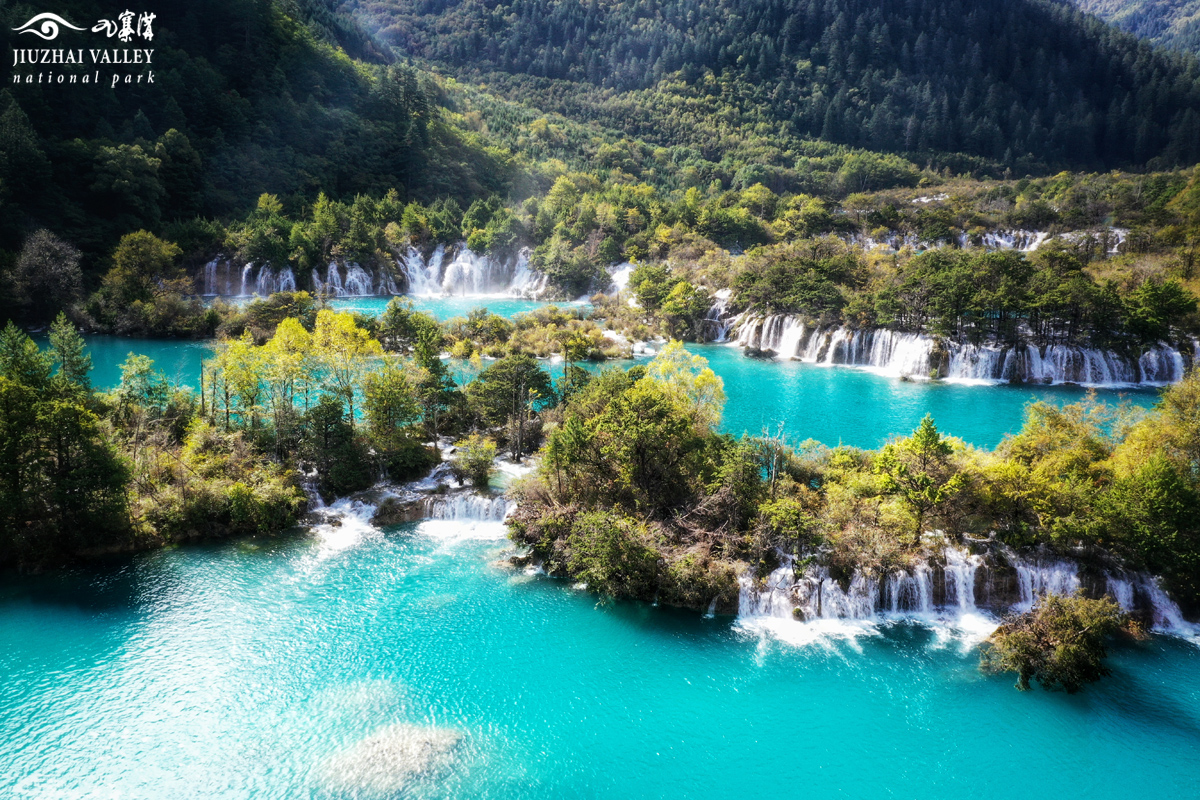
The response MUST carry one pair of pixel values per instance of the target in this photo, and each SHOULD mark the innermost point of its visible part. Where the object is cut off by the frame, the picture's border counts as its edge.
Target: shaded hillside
(1170, 23)
(249, 97)
(1021, 83)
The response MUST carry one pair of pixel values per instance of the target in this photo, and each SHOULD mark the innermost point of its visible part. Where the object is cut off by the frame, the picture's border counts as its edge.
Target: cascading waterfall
(1040, 577)
(218, 278)
(714, 319)
(1022, 240)
(358, 282)
(474, 507)
(264, 280)
(1141, 591)
(945, 587)
(210, 277)
(1025, 241)
(526, 281)
(424, 276)
(466, 273)
(920, 356)
(619, 278)
(960, 579)
(910, 592)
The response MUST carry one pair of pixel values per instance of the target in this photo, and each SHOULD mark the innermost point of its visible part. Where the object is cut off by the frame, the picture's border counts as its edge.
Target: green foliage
(507, 392)
(967, 295)
(62, 482)
(47, 276)
(1172, 25)
(222, 124)
(613, 554)
(1059, 643)
(339, 456)
(393, 421)
(917, 469)
(472, 460)
(905, 77)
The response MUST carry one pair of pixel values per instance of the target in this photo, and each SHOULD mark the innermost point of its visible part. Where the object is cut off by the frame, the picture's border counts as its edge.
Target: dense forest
(248, 97)
(1016, 83)
(1170, 23)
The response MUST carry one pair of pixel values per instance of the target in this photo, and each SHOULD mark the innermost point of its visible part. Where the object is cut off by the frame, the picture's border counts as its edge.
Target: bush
(472, 460)
(613, 555)
(1059, 643)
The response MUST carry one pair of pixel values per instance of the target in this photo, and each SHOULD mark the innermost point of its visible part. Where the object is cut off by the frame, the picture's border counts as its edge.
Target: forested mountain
(250, 96)
(1170, 23)
(1022, 82)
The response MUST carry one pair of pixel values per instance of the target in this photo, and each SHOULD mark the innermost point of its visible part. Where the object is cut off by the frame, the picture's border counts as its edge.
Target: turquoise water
(830, 404)
(857, 407)
(179, 360)
(444, 308)
(240, 670)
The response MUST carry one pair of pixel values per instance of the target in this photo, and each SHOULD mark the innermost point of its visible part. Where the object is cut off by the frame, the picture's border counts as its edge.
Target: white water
(619, 275)
(810, 605)
(458, 271)
(1142, 591)
(1026, 241)
(914, 355)
(468, 506)
(221, 278)
(353, 280)
(1036, 578)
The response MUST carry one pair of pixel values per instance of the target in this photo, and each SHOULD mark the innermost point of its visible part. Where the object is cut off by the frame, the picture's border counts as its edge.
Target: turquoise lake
(829, 404)
(254, 669)
(240, 670)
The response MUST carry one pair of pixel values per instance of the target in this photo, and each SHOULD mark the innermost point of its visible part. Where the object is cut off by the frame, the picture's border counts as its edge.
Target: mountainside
(1170, 23)
(1024, 84)
(250, 97)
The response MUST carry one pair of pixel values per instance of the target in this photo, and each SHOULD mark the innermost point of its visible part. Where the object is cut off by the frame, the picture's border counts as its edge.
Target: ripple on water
(391, 759)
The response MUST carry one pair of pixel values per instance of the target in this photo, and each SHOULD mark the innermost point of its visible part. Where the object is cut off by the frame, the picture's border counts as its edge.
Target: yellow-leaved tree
(342, 352)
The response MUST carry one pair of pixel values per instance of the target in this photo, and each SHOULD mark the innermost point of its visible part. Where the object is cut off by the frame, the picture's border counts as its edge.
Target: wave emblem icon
(45, 25)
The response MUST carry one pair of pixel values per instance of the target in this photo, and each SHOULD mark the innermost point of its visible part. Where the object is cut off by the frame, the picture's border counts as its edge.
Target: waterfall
(210, 278)
(479, 508)
(386, 283)
(619, 277)
(910, 593)
(286, 281)
(714, 319)
(424, 277)
(790, 337)
(1141, 591)
(1025, 241)
(468, 273)
(960, 579)
(814, 597)
(246, 272)
(1035, 578)
(471, 274)
(358, 282)
(900, 354)
(526, 282)
(1161, 364)
(774, 599)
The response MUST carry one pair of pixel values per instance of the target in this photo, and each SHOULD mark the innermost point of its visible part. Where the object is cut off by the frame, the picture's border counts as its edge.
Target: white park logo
(73, 62)
(48, 28)
(124, 27)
